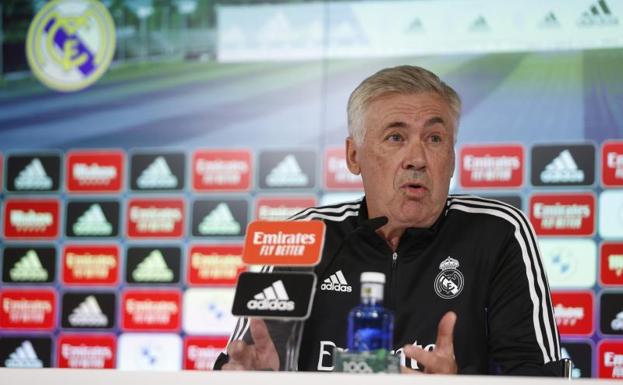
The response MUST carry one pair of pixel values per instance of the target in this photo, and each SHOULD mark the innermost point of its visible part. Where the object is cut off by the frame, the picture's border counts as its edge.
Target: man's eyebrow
(397, 124)
(430, 122)
(434, 120)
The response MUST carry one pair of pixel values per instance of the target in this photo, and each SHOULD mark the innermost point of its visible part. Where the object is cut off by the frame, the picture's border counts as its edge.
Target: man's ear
(351, 156)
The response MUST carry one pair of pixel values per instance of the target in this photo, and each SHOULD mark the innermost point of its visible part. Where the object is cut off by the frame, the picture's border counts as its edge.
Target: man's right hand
(261, 355)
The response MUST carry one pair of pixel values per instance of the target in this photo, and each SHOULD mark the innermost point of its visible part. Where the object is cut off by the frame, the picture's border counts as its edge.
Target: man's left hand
(441, 360)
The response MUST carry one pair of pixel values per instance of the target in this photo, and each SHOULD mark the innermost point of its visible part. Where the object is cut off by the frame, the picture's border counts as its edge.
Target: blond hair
(404, 79)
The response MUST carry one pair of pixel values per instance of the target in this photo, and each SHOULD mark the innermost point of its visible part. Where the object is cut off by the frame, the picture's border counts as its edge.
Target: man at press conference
(403, 124)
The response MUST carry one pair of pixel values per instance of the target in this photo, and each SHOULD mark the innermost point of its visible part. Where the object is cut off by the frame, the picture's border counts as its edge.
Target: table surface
(118, 377)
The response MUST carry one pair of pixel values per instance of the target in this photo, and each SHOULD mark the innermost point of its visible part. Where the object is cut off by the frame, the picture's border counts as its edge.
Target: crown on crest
(449, 263)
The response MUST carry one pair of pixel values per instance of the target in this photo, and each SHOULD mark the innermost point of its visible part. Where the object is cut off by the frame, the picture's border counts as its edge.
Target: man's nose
(415, 156)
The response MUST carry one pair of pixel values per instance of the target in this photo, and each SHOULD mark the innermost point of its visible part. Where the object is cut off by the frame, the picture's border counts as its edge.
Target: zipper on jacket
(391, 283)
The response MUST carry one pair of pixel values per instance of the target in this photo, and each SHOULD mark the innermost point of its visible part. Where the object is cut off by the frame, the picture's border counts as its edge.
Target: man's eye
(436, 138)
(394, 138)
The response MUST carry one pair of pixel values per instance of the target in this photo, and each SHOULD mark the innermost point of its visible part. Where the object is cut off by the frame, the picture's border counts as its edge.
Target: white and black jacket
(499, 289)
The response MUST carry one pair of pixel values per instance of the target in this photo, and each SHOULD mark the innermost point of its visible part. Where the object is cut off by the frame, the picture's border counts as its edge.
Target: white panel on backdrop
(149, 351)
(360, 29)
(569, 263)
(208, 311)
(611, 215)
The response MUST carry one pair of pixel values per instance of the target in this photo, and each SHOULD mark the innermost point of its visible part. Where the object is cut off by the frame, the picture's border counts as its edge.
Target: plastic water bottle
(370, 325)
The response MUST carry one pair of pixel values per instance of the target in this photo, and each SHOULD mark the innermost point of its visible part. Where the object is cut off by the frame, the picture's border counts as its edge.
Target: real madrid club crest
(70, 43)
(449, 282)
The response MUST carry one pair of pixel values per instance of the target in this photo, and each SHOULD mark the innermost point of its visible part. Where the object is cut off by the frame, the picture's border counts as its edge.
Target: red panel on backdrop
(151, 310)
(91, 265)
(28, 309)
(574, 312)
(215, 264)
(201, 352)
(94, 171)
(611, 263)
(563, 215)
(610, 359)
(31, 219)
(492, 166)
(155, 218)
(612, 163)
(336, 173)
(281, 208)
(222, 170)
(86, 351)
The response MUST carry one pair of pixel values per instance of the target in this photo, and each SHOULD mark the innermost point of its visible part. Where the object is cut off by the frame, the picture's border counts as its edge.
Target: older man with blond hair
(463, 274)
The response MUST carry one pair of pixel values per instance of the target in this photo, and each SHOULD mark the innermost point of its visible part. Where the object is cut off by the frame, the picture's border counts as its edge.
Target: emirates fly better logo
(284, 243)
(84, 351)
(155, 218)
(281, 208)
(612, 163)
(224, 170)
(610, 359)
(492, 166)
(90, 265)
(28, 309)
(567, 214)
(215, 264)
(200, 353)
(336, 173)
(151, 310)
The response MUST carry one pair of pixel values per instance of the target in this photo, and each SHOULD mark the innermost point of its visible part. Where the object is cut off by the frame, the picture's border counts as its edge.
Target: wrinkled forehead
(422, 107)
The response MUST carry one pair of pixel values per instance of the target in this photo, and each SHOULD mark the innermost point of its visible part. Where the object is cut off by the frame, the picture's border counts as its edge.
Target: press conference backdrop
(138, 138)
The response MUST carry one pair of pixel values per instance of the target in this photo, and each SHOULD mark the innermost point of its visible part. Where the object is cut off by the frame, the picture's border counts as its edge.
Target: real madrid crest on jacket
(449, 281)
(480, 259)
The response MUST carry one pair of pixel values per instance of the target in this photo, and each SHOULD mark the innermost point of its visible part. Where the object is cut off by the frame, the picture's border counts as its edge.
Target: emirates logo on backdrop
(563, 215)
(492, 166)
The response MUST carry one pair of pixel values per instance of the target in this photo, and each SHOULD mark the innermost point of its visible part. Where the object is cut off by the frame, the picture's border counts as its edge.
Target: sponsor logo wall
(571, 194)
(129, 260)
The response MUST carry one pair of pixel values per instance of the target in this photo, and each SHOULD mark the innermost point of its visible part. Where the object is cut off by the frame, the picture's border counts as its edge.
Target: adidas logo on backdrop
(550, 21)
(287, 173)
(29, 268)
(157, 175)
(273, 297)
(153, 269)
(562, 169)
(219, 221)
(336, 282)
(23, 357)
(33, 177)
(598, 14)
(88, 314)
(93, 222)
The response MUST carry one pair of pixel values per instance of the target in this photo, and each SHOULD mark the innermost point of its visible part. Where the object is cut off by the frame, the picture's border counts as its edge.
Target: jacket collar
(413, 236)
